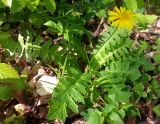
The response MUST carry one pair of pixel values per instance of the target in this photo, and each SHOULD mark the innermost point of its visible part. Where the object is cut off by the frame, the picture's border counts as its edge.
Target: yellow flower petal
(122, 18)
(117, 10)
(112, 18)
(116, 23)
(112, 13)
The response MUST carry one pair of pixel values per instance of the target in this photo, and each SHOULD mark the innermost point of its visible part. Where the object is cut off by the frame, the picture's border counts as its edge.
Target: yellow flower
(122, 18)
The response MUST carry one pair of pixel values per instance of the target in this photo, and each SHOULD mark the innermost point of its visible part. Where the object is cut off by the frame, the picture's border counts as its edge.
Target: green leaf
(139, 88)
(13, 119)
(6, 2)
(70, 91)
(131, 4)
(113, 45)
(147, 65)
(6, 71)
(94, 95)
(45, 49)
(72, 105)
(17, 5)
(111, 99)
(32, 49)
(135, 73)
(8, 81)
(157, 57)
(35, 19)
(115, 118)
(122, 113)
(101, 13)
(121, 95)
(109, 108)
(5, 92)
(1, 5)
(151, 18)
(57, 111)
(140, 4)
(144, 20)
(50, 5)
(8, 43)
(95, 117)
(76, 28)
(118, 71)
(58, 28)
(156, 109)
(32, 4)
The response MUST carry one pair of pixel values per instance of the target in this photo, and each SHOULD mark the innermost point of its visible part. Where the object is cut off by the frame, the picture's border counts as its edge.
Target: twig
(58, 39)
(96, 33)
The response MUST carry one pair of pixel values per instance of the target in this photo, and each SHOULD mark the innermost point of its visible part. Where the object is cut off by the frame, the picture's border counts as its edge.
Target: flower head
(122, 18)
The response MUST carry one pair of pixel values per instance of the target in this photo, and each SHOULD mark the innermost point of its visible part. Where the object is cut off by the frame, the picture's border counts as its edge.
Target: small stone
(46, 84)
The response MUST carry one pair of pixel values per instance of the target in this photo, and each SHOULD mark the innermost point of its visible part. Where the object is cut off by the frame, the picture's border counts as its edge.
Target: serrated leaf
(144, 20)
(72, 105)
(156, 109)
(109, 108)
(69, 93)
(115, 118)
(146, 64)
(135, 73)
(111, 98)
(131, 4)
(157, 57)
(57, 111)
(95, 117)
(138, 88)
(81, 88)
(122, 96)
(76, 95)
(117, 72)
(113, 46)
